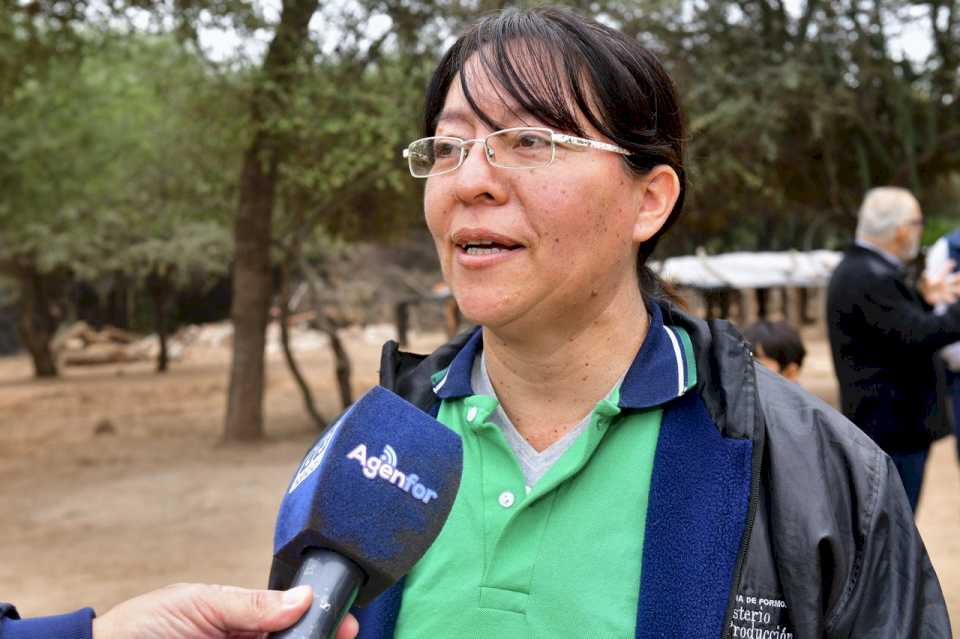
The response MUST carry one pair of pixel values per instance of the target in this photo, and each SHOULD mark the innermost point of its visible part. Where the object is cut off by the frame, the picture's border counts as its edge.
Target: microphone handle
(335, 581)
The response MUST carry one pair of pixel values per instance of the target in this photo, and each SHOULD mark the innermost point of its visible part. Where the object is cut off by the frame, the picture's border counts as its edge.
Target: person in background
(778, 346)
(182, 611)
(884, 334)
(942, 260)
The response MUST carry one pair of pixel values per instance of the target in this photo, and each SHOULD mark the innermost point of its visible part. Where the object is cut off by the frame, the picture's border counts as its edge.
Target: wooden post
(401, 315)
(748, 307)
(792, 306)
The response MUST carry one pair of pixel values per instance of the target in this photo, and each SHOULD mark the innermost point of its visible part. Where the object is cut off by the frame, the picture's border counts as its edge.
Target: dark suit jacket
(884, 337)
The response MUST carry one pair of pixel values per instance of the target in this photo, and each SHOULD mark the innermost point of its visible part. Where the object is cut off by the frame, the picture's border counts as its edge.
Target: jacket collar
(888, 257)
(663, 369)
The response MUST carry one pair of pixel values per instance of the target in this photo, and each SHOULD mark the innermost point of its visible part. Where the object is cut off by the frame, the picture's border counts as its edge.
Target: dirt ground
(90, 519)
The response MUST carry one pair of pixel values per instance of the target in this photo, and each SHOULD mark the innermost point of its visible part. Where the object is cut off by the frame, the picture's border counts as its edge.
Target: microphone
(366, 503)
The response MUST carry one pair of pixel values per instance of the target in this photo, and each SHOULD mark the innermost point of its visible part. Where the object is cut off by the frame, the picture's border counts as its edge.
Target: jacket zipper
(756, 462)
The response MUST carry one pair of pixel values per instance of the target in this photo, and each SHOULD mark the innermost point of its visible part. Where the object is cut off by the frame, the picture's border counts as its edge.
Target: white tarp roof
(750, 270)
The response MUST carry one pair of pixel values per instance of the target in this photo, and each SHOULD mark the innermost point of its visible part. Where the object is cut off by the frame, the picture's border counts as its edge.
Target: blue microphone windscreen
(376, 488)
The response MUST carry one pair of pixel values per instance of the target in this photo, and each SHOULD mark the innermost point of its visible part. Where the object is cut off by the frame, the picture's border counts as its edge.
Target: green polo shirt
(565, 559)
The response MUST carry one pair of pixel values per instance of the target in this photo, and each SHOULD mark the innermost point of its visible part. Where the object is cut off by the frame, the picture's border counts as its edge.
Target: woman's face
(564, 237)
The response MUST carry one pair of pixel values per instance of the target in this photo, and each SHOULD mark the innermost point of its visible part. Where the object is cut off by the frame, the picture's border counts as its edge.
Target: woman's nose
(477, 180)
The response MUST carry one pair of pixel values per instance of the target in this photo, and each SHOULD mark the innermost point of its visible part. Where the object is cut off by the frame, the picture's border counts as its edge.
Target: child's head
(778, 346)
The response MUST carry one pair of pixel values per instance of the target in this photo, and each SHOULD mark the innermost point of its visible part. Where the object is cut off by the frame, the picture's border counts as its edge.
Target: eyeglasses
(516, 148)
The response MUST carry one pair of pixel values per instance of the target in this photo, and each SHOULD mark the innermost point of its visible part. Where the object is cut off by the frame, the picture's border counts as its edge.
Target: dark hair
(545, 56)
(778, 341)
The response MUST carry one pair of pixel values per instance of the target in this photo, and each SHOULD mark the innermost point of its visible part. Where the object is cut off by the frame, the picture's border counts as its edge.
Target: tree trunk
(252, 290)
(401, 312)
(342, 367)
(252, 286)
(308, 402)
(161, 290)
(163, 357)
(36, 321)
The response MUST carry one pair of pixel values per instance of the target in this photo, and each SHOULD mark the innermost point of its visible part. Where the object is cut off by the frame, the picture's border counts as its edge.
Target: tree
(54, 161)
(112, 164)
(327, 147)
(186, 133)
(795, 112)
(357, 107)
(252, 278)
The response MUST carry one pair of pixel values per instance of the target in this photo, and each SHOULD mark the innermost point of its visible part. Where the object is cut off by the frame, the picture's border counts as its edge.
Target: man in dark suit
(884, 334)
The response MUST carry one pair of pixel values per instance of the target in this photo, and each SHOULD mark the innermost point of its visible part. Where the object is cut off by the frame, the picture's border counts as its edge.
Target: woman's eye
(532, 141)
(443, 149)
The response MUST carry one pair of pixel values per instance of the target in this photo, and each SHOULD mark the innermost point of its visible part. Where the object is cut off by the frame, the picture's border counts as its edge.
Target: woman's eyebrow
(453, 116)
(517, 117)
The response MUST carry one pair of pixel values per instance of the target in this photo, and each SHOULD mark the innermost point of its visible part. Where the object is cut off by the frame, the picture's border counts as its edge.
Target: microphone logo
(389, 456)
(312, 461)
(385, 468)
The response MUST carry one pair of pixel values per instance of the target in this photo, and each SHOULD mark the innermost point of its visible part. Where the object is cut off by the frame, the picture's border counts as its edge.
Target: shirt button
(506, 499)
(472, 414)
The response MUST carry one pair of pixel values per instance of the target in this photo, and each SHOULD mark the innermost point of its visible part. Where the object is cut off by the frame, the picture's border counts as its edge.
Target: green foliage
(122, 161)
(345, 173)
(180, 166)
(51, 168)
(121, 152)
(942, 213)
(795, 113)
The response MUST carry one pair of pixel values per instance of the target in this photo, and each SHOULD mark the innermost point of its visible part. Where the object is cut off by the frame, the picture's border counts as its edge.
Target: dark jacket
(769, 514)
(884, 338)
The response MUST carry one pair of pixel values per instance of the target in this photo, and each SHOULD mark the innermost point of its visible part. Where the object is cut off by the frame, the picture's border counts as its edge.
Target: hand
(943, 286)
(196, 611)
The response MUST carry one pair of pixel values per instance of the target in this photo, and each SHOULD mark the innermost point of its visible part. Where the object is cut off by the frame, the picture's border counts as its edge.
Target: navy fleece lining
(696, 518)
(379, 619)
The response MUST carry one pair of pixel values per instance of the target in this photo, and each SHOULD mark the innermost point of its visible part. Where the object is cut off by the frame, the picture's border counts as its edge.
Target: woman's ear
(661, 188)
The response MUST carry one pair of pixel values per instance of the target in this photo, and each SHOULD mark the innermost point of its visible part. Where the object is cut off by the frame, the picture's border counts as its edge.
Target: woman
(628, 471)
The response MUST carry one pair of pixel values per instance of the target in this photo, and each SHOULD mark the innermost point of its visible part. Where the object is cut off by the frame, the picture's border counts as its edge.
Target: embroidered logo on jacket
(759, 617)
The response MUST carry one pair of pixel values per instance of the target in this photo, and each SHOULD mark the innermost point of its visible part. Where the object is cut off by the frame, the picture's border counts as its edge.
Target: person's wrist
(101, 628)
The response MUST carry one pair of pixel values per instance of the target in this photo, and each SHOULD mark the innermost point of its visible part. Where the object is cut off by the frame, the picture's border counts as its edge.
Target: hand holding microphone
(364, 506)
(200, 611)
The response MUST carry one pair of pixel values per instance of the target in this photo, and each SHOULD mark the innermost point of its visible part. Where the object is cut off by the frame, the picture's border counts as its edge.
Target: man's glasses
(516, 148)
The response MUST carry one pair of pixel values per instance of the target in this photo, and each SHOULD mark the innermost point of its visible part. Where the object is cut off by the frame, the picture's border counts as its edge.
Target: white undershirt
(533, 463)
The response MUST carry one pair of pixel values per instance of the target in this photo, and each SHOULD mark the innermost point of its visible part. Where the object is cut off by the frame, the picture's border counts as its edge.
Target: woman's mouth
(482, 248)
(485, 248)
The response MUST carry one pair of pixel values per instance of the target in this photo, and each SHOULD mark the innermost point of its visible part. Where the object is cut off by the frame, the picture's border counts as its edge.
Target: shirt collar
(454, 381)
(663, 369)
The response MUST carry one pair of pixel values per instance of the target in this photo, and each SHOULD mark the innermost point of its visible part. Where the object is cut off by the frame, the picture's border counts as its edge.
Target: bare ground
(92, 519)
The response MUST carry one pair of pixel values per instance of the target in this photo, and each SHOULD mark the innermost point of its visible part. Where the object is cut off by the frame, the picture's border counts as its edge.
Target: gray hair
(884, 209)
